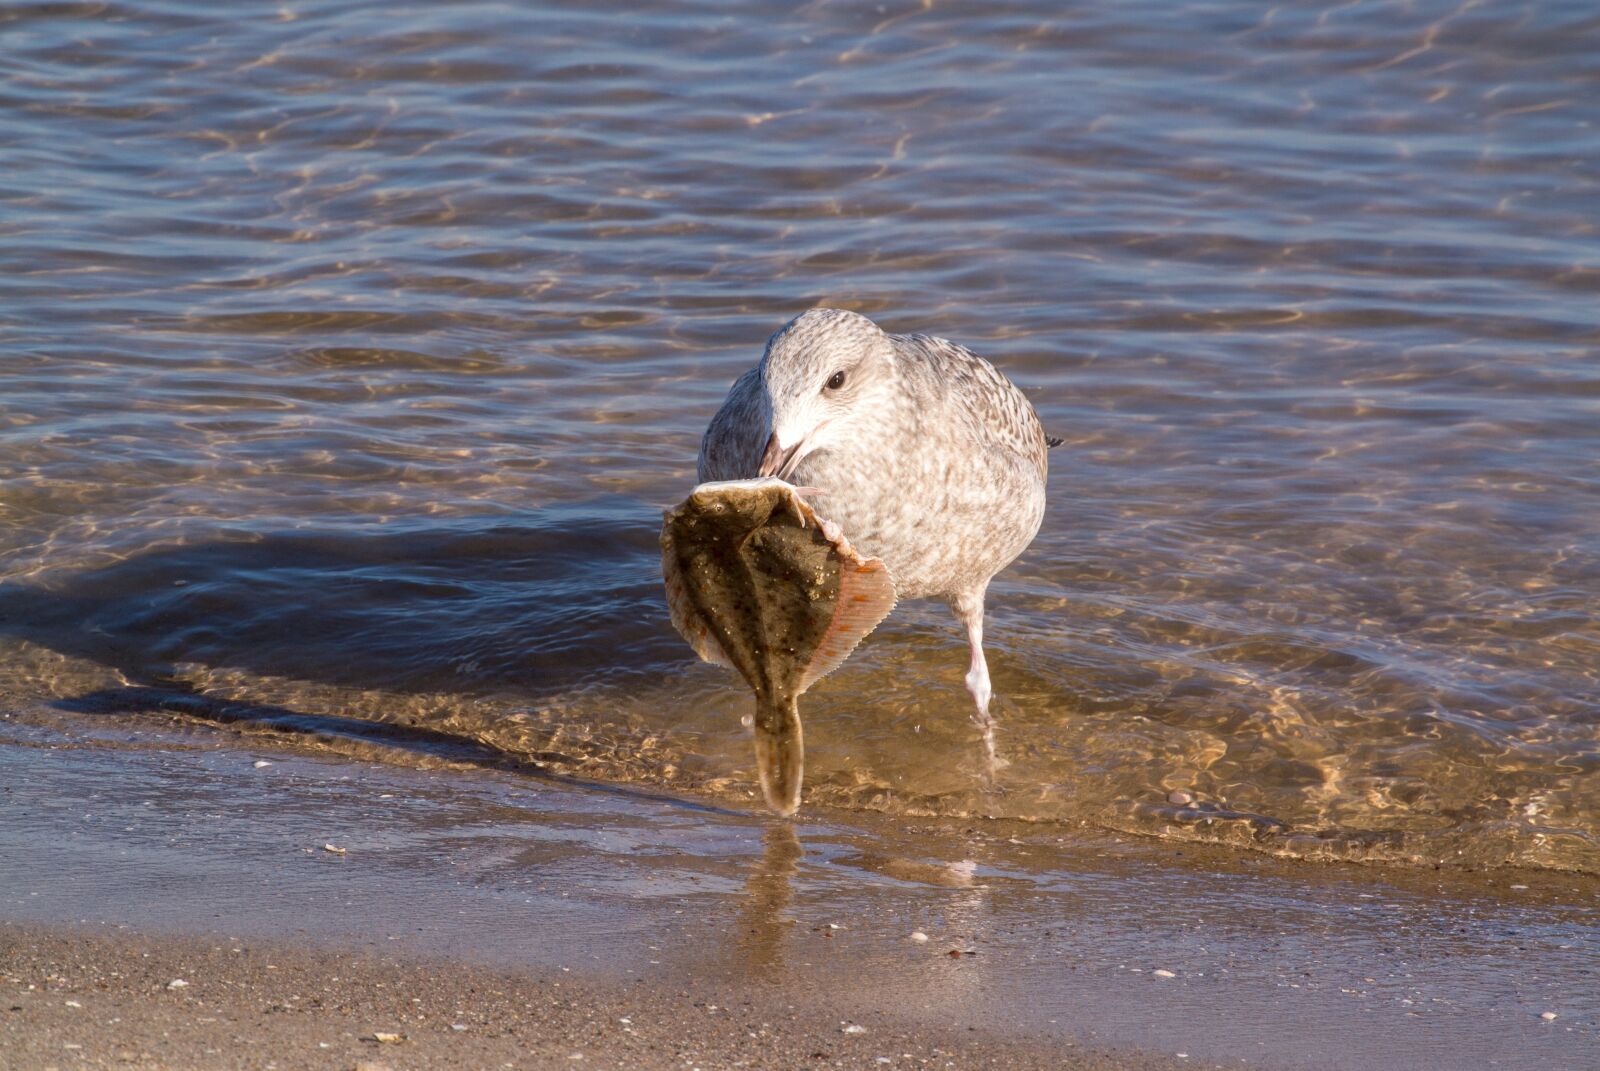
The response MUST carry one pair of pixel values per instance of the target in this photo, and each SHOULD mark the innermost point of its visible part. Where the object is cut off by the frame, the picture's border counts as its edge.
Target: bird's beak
(777, 461)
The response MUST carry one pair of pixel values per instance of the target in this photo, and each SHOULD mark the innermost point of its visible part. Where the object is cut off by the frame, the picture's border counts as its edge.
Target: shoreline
(136, 848)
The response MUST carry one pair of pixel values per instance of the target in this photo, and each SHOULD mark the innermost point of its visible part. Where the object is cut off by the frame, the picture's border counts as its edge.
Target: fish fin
(866, 595)
(780, 754)
(685, 617)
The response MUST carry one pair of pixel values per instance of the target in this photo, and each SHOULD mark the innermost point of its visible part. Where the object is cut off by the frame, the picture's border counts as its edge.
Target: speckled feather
(942, 475)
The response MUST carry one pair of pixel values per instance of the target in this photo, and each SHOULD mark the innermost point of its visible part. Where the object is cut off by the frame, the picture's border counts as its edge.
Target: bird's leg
(969, 608)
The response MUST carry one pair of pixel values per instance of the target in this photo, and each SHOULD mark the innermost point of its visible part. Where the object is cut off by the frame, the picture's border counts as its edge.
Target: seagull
(926, 456)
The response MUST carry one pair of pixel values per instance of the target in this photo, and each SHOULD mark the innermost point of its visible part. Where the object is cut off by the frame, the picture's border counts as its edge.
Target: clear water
(349, 352)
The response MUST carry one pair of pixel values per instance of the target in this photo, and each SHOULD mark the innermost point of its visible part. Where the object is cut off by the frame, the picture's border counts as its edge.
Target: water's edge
(196, 830)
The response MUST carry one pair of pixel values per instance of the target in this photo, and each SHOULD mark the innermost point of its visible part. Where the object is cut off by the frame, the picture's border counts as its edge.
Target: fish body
(755, 583)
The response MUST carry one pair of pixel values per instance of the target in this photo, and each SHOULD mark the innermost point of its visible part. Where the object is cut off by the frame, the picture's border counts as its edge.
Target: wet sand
(541, 912)
(92, 1000)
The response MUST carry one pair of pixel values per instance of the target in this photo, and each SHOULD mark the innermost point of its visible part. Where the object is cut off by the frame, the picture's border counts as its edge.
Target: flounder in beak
(754, 583)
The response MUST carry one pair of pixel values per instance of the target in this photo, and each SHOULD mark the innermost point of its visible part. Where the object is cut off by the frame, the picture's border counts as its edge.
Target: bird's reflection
(766, 924)
(763, 924)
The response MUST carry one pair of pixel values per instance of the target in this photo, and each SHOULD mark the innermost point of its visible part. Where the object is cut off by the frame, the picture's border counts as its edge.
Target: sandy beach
(75, 998)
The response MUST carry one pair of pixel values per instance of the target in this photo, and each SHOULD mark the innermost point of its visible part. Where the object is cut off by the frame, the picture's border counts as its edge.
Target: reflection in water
(943, 875)
(763, 926)
(766, 924)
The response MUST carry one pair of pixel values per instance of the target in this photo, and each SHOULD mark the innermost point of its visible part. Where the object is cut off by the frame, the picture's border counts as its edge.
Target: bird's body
(922, 453)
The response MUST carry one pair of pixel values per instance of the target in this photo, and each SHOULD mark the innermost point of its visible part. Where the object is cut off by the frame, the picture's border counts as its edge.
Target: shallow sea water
(348, 354)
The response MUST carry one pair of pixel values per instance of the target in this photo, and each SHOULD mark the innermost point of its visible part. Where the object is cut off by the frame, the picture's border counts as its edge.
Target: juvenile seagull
(924, 454)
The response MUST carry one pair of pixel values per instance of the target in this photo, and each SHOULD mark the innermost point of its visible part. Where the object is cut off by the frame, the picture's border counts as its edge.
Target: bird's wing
(736, 437)
(998, 413)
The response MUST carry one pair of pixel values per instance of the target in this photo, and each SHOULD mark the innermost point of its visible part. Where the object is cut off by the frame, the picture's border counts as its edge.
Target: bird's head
(820, 374)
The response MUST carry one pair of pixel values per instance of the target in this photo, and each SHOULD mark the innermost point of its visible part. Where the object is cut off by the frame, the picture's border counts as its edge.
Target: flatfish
(758, 583)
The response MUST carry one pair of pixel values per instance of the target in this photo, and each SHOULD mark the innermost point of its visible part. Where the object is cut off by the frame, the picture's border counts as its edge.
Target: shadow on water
(175, 697)
(572, 597)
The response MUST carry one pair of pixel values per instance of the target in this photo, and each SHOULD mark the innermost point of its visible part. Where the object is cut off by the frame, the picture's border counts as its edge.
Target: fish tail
(780, 752)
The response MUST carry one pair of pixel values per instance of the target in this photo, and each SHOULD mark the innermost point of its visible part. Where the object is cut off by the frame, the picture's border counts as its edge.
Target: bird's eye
(836, 380)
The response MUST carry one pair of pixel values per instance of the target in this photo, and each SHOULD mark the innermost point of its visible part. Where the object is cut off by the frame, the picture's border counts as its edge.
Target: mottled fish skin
(754, 583)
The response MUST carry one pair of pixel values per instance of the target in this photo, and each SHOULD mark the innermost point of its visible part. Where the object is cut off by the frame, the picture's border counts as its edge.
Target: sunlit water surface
(349, 352)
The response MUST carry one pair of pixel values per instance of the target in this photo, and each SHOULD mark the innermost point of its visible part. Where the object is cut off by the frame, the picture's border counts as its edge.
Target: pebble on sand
(853, 1028)
(1548, 1016)
(1179, 798)
(1163, 973)
(919, 937)
(334, 849)
(260, 763)
(177, 983)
